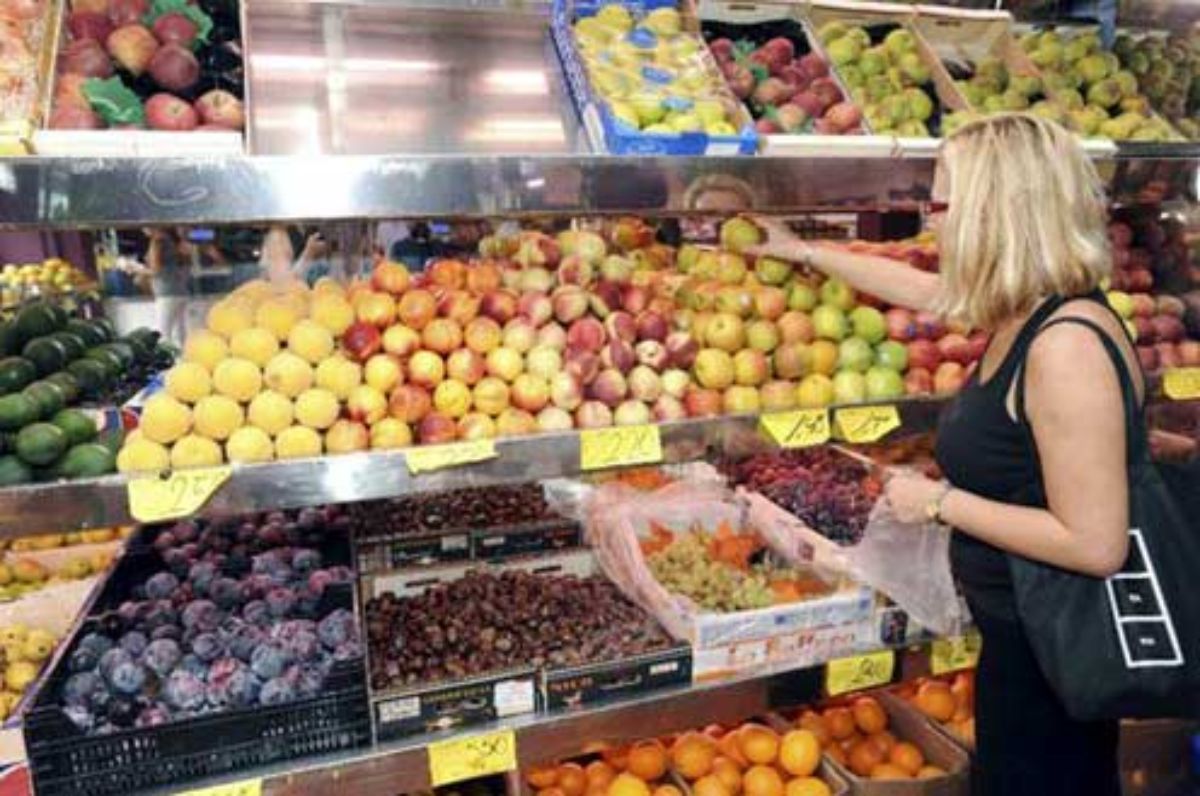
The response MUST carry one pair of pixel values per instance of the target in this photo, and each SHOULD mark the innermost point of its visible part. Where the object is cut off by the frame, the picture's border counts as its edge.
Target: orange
(963, 691)
(710, 785)
(667, 790)
(799, 753)
(836, 754)
(599, 773)
(617, 757)
(850, 740)
(906, 756)
(869, 715)
(692, 754)
(596, 789)
(714, 731)
(762, 781)
(884, 740)
(730, 774)
(807, 786)
(571, 779)
(930, 772)
(626, 784)
(550, 792)
(811, 720)
(935, 700)
(648, 760)
(840, 722)
(888, 771)
(759, 744)
(542, 776)
(729, 746)
(863, 757)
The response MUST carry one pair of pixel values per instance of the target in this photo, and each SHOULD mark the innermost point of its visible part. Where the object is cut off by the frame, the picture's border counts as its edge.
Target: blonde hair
(1025, 219)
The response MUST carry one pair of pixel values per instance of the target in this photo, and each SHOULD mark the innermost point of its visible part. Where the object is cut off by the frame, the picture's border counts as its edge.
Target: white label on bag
(1140, 613)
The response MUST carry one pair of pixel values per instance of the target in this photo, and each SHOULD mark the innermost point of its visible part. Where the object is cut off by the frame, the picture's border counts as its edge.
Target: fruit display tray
(605, 134)
(399, 551)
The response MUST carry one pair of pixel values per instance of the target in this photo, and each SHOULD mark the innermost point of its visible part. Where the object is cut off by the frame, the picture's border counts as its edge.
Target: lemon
(332, 311)
(189, 382)
(317, 408)
(390, 433)
(239, 379)
(339, 375)
(165, 419)
(270, 411)
(278, 316)
(255, 344)
(230, 315)
(216, 417)
(289, 374)
(142, 454)
(19, 675)
(297, 442)
(249, 444)
(310, 340)
(205, 348)
(256, 290)
(195, 451)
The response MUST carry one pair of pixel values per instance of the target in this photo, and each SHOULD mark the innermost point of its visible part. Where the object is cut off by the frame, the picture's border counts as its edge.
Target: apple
(929, 326)
(681, 349)
(762, 336)
(587, 334)
(1142, 305)
(436, 428)
(513, 422)
(884, 384)
(132, 46)
(777, 396)
(442, 336)
(366, 404)
(1168, 355)
(173, 67)
(738, 399)
(701, 402)
(604, 298)
(482, 278)
(217, 106)
(948, 378)
(918, 381)
(416, 308)
(1170, 305)
(1148, 358)
(565, 391)
(726, 332)
(617, 269)
(551, 418)
(466, 366)
(1168, 328)
(668, 408)
(490, 395)
(644, 384)
(814, 392)
(620, 325)
(452, 398)
(501, 305)
(849, 387)
(924, 354)
(751, 367)
(735, 300)
(631, 413)
(426, 369)
(618, 354)
(771, 271)
(900, 325)
(409, 403)
(802, 297)
(593, 414)
(687, 257)
(795, 327)
(505, 363)
(868, 323)
(739, 234)
(481, 335)
(769, 303)
(476, 425)
(824, 357)
(829, 322)
(676, 382)
(361, 341)
(792, 360)
(535, 249)
(836, 293)
(458, 306)
(892, 354)
(1145, 330)
(346, 436)
(713, 368)
(1189, 353)
(978, 342)
(855, 354)
(955, 348)
(383, 372)
(609, 387)
(731, 268)
(168, 112)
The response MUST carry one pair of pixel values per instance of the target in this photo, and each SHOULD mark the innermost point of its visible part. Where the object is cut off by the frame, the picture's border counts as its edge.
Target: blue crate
(605, 130)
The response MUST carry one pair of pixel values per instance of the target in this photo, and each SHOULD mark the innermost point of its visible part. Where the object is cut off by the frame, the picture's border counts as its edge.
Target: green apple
(891, 355)
(883, 384)
(849, 387)
(837, 293)
(771, 271)
(829, 322)
(855, 354)
(648, 107)
(868, 323)
(801, 296)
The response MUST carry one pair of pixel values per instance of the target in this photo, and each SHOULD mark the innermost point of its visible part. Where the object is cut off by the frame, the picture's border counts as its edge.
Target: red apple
(1148, 358)
(948, 378)
(917, 381)
(500, 305)
(132, 46)
(361, 341)
(1168, 355)
(900, 325)
(924, 354)
(955, 348)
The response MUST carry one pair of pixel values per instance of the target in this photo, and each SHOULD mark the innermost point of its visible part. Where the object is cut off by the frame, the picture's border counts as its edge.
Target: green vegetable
(114, 102)
(203, 21)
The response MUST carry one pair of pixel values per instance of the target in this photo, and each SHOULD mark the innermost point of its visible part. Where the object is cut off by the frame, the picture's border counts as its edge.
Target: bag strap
(1136, 439)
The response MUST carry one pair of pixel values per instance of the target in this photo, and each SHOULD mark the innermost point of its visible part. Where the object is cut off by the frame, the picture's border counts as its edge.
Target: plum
(201, 574)
(202, 615)
(134, 642)
(71, 117)
(79, 687)
(280, 602)
(128, 678)
(82, 660)
(110, 660)
(207, 647)
(243, 640)
(80, 716)
(190, 663)
(184, 690)
(256, 612)
(172, 632)
(337, 628)
(127, 12)
(269, 660)
(160, 614)
(225, 592)
(122, 711)
(162, 655)
(161, 586)
(306, 561)
(153, 715)
(278, 691)
(89, 25)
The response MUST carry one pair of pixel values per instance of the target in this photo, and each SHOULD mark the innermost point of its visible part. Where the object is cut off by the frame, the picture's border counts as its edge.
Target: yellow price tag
(844, 675)
(954, 653)
(1182, 384)
(246, 787)
(453, 454)
(468, 758)
(619, 445)
(800, 428)
(866, 423)
(154, 498)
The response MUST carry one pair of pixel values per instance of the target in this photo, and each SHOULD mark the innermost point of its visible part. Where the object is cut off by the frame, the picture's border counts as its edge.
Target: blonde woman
(1023, 253)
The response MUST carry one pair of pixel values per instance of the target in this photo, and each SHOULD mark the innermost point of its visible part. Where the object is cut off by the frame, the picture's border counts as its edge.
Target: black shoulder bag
(1126, 646)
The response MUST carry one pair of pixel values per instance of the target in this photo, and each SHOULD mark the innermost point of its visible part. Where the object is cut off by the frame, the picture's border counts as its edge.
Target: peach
(481, 335)
(794, 327)
(777, 396)
(536, 249)
(409, 403)
(739, 399)
(681, 349)
(475, 425)
(565, 391)
(436, 428)
(644, 384)
(605, 298)
(702, 402)
(570, 303)
(948, 378)
(537, 308)
(582, 365)
(918, 381)
(366, 404)
(543, 361)
(426, 369)
(401, 341)
(651, 353)
(390, 277)
(593, 414)
(442, 336)
(713, 369)
(491, 395)
(466, 366)
(586, 333)
(574, 270)
(505, 363)
(537, 280)
(515, 422)
(452, 398)
(634, 298)
(482, 278)
(459, 306)
(652, 326)
(631, 413)
(530, 392)
(447, 273)
(499, 305)
(675, 382)
(609, 387)
(552, 335)
(416, 308)
(377, 309)
(668, 407)
(552, 418)
(346, 436)
(621, 326)
(383, 372)
(618, 354)
(519, 335)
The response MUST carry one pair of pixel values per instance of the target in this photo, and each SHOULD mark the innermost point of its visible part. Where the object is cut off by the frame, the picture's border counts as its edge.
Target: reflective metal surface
(380, 78)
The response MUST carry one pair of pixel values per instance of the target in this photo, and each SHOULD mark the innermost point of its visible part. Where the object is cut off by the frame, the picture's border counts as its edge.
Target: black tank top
(983, 450)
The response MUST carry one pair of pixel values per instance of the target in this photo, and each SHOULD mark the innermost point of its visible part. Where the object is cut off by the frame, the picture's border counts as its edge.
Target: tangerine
(935, 700)
(907, 756)
(930, 772)
(863, 757)
(667, 790)
(626, 784)
(869, 715)
(550, 792)
(884, 740)
(648, 760)
(728, 744)
(840, 722)
(800, 753)
(759, 744)
(616, 756)
(693, 754)
(599, 772)
(710, 785)
(811, 720)
(889, 771)
(571, 779)
(762, 781)
(807, 786)
(542, 776)
(836, 754)
(729, 772)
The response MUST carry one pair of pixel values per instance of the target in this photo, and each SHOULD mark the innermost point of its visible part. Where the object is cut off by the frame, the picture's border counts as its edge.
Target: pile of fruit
(989, 86)
(887, 77)
(53, 541)
(751, 759)
(786, 93)
(856, 736)
(831, 493)
(458, 509)
(52, 276)
(489, 621)
(1168, 73)
(618, 772)
(236, 615)
(49, 363)
(22, 575)
(23, 28)
(23, 653)
(714, 569)
(161, 64)
(949, 700)
(655, 76)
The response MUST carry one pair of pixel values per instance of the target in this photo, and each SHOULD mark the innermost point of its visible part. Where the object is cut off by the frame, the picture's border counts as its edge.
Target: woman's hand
(911, 495)
(779, 241)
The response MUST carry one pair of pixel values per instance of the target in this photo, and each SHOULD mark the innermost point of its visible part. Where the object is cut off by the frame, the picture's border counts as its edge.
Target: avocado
(15, 374)
(72, 343)
(106, 328)
(13, 471)
(10, 341)
(109, 359)
(17, 411)
(48, 396)
(41, 443)
(123, 351)
(87, 331)
(68, 383)
(87, 460)
(79, 426)
(91, 375)
(47, 355)
(38, 319)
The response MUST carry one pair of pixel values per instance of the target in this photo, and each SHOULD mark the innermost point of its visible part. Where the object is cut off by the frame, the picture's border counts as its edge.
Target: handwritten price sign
(1182, 384)
(454, 454)
(154, 498)
(801, 428)
(468, 758)
(619, 446)
(861, 424)
(246, 787)
(954, 653)
(844, 675)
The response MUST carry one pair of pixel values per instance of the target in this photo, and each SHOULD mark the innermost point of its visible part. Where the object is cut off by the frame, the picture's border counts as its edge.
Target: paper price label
(453, 454)
(468, 758)
(954, 653)
(1182, 384)
(154, 498)
(801, 428)
(620, 445)
(844, 675)
(866, 423)
(246, 787)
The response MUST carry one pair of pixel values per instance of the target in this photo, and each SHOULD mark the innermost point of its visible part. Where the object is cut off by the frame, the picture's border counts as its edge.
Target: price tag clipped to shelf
(170, 496)
(437, 457)
(843, 675)
(246, 787)
(800, 428)
(618, 446)
(469, 758)
(1182, 384)
(861, 424)
(954, 653)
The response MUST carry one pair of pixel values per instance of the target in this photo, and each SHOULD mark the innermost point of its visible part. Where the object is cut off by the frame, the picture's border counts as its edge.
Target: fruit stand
(572, 510)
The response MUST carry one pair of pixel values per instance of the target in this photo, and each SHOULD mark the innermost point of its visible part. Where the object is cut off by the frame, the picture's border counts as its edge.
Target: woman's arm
(894, 281)
(1073, 404)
